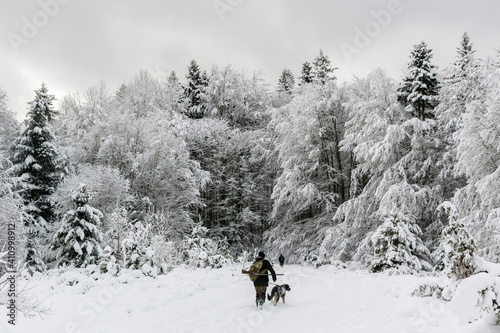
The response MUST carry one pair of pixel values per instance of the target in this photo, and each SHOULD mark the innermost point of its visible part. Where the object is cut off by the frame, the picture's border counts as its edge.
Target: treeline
(315, 169)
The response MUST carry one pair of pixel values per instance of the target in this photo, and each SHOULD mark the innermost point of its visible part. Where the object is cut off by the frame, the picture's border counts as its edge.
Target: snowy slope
(204, 300)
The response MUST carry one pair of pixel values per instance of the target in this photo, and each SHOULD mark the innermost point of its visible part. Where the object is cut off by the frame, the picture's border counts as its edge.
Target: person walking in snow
(262, 281)
(282, 260)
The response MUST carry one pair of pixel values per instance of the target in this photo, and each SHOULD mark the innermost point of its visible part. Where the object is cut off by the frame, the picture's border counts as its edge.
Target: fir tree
(465, 54)
(79, 237)
(398, 246)
(38, 162)
(322, 70)
(457, 246)
(419, 90)
(306, 74)
(286, 81)
(196, 83)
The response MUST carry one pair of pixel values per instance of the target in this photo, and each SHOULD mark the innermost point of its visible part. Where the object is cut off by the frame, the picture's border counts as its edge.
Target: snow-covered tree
(398, 246)
(8, 126)
(82, 123)
(38, 162)
(201, 251)
(322, 70)
(137, 251)
(231, 95)
(478, 159)
(393, 155)
(143, 96)
(457, 246)
(309, 130)
(107, 185)
(79, 238)
(306, 74)
(286, 82)
(37, 159)
(461, 85)
(419, 90)
(174, 94)
(194, 90)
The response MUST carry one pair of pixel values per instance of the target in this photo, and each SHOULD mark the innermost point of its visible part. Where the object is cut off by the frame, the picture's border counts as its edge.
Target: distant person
(282, 260)
(261, 266)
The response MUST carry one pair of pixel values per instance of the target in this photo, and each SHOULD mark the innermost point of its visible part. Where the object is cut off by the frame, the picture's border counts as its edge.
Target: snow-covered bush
(108, 262)
(137, 253)
(79, 237)
(165, 254)
(201, 251)
(457, 246)
(398, 247)
(118, 226)
(478, 297)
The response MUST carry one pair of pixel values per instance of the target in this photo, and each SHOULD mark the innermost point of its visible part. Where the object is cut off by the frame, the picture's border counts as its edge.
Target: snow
(187, 300)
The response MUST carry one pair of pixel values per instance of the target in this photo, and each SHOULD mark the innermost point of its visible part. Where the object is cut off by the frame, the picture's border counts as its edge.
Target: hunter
(262, 281)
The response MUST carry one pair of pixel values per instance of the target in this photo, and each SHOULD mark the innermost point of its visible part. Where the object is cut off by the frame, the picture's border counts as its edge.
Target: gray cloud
(83, 42)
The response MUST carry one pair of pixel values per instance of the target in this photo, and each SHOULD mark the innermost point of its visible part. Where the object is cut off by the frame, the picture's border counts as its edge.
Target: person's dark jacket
(264, 279)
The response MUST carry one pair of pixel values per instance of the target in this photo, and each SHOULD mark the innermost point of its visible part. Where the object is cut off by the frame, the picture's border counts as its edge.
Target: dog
(277, 292)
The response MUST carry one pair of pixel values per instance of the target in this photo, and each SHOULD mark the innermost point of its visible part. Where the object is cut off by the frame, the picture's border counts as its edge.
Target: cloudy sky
(73, 44)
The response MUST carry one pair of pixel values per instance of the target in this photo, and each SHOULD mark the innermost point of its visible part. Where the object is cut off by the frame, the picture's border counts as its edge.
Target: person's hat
(262, 254)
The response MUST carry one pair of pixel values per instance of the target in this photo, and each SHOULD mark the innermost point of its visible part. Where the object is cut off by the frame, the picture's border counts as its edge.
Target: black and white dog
(277, 292)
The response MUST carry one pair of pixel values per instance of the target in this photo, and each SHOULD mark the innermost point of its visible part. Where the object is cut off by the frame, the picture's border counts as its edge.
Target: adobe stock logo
(373, 28)
(30, 28)
(221, 7)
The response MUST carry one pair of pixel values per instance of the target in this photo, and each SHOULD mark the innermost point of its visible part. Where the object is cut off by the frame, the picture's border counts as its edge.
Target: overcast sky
(73, 44)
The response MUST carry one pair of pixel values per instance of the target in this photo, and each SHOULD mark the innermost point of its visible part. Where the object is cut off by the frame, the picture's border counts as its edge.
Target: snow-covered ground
(188, 300)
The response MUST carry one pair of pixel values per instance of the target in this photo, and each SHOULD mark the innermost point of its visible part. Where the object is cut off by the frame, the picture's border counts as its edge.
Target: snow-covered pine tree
(79, 237)
(286, 82)
(306, 75)
(196, 83)
(398, 247)
(322, 70)
(37, 161)
(419, 90)
(457, 246)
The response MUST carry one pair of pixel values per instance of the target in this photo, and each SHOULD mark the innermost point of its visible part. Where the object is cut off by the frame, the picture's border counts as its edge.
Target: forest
(392, 174)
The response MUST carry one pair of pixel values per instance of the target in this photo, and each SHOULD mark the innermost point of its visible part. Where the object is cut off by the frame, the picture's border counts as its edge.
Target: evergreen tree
(419, 90)
(306, 74)
(38, 162)
(465, 54)
(79, 237)
(322, 70)
(457, 246)
(286, 81)
(196, 83)
(398, 246)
